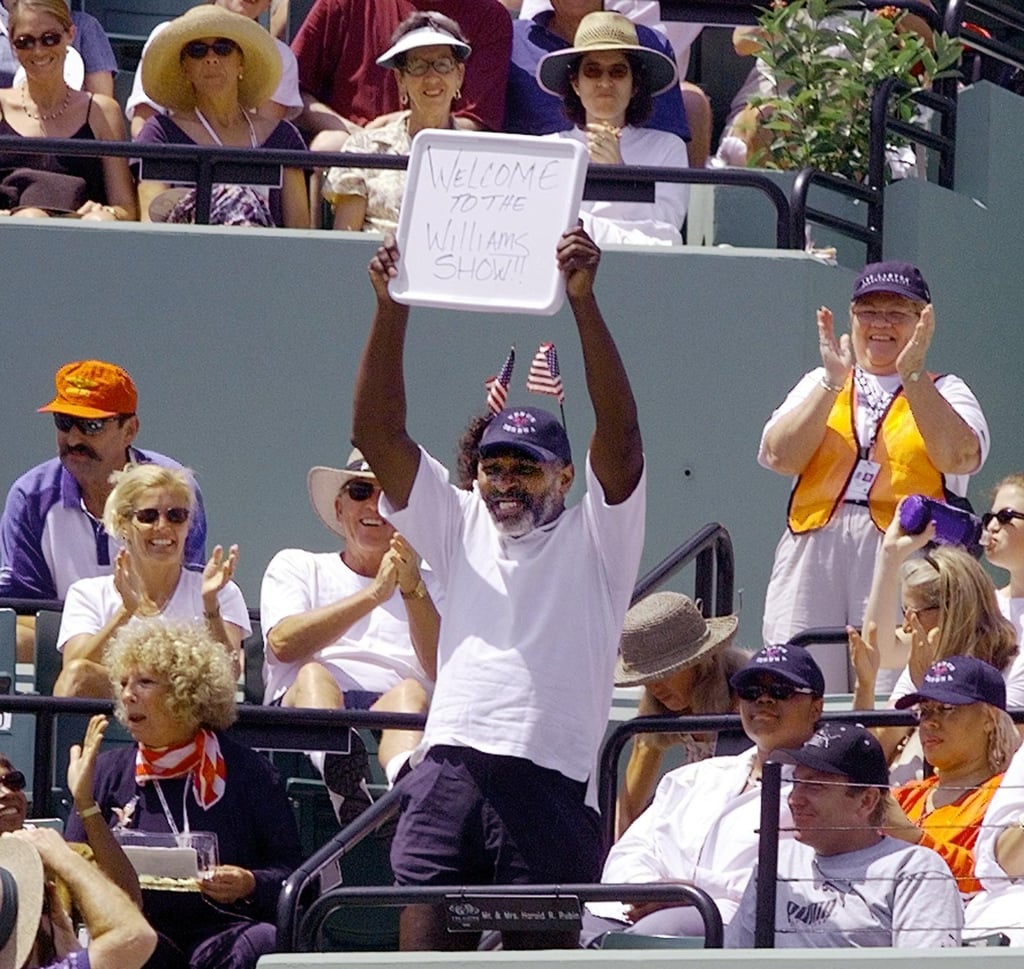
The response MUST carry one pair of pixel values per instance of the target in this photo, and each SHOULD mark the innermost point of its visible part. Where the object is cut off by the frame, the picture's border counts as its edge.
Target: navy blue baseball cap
(959, 680)
(790, 663)
(534, 431)
(899, 278)
(841, 748)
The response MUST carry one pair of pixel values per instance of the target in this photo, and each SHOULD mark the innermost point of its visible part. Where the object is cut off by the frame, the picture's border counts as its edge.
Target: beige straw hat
(664, 633)
(21, 900)
(604, 30)
(325, 483)
(163, 76)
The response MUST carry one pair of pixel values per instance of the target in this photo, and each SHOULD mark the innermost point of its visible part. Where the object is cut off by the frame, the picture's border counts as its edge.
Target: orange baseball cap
(93, 388)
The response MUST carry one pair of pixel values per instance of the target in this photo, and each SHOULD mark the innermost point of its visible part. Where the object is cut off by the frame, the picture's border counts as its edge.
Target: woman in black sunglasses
(1003, 541)
(148, 511)
(45, 106)
(13, 803)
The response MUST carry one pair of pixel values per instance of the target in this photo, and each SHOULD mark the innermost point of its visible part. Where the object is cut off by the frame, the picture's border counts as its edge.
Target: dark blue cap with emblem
(794, 664)
(841, 748)
(898, 278)
(534, 431)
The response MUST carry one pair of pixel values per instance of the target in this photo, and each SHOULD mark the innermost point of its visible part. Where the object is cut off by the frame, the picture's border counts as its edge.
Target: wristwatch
(420, 592)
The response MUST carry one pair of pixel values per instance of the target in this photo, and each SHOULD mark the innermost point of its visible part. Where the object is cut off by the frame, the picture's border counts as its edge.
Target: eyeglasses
(360, 490)
(50, 38)
(933, 711)
(777, 691)
(1004, 516)
(892, 317)
(198, 49)
(150, 516)
(89, 426)
(909, 611)
(13, 780)
(420, 66)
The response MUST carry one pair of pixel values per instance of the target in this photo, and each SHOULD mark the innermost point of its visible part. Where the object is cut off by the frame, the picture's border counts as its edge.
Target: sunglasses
(1004, 516)
(50, 38)
(150, 516)
(360, 490)
(198, 49)
(13, 780)
(420, 66)
(777, 691)
(89, 426)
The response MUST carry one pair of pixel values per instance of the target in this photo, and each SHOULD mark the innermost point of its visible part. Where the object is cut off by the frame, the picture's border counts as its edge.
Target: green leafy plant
(824, 61)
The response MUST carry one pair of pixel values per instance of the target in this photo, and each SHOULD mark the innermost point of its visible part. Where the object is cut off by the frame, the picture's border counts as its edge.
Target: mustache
(82, 449)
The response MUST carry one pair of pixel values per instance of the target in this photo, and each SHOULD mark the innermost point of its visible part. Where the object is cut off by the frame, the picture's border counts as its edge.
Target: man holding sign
(536, 595)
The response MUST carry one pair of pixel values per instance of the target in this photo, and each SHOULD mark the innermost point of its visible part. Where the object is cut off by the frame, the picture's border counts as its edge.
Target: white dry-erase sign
(481, 217)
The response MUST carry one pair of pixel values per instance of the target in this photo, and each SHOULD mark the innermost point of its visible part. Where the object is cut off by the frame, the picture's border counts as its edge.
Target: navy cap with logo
(959, 680)
(535, 431)
(899, 278)
(791, 663)
(841, 748)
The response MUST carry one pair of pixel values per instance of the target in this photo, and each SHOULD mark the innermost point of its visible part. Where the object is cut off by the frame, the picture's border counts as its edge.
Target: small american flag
(544, 376)
(497, 387)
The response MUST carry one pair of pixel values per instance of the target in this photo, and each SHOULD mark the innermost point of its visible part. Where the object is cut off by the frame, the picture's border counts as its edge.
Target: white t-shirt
(531, 625)
(374, 654)
(92, 602)
(951, 387)
(287, 93)
(889, 894)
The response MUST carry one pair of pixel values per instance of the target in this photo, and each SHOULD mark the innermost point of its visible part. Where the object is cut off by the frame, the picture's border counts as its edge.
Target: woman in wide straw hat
(683, 661)
(607, 81)
(211, 68)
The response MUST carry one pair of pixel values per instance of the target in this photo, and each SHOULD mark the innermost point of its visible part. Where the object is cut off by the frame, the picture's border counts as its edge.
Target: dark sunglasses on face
(222, 47)
(13, 780)
(150, 516)
(89, 426)
(1004, 516)
(360, 490)
(777, 691)
(51, 38)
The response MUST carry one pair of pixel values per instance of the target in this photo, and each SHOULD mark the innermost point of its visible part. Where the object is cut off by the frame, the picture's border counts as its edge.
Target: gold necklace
(45, 117)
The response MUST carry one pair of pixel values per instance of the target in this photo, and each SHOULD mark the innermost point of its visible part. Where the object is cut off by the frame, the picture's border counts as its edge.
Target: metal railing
(1008, 16)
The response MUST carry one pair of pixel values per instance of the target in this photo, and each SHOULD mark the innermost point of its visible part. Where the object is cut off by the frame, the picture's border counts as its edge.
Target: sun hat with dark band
(21, 900)
(163, 75)
(664, 633)
(599, 31)
(427, 36)
(325, 483)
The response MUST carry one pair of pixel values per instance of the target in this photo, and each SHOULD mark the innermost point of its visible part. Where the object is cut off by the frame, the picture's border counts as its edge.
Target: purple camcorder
(953, 526)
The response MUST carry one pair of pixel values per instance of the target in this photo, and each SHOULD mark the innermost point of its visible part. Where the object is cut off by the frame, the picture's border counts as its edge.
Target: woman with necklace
(174, 690)
(211, 68)
(45, 106)
(428, 58)
(969, 738)
(148, 512)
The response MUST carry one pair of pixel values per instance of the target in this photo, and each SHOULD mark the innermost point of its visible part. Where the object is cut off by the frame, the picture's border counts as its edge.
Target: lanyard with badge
(876, 401)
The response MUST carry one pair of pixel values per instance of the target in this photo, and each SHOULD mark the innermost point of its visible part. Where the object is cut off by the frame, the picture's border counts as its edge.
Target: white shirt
(375, 653)
(92, 602)
(531, 625)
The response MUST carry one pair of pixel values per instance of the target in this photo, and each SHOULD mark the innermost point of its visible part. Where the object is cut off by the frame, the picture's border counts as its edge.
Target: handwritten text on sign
(486, 218)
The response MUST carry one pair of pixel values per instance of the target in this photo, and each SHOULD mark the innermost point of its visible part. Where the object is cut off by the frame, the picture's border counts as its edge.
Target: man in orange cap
(51, 532)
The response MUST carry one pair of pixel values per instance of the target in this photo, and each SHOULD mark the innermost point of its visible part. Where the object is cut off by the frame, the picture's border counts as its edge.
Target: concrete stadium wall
(244, 344)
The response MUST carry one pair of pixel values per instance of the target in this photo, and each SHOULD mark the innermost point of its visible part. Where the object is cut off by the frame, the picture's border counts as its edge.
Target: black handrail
(715, 576)
(1004, 13)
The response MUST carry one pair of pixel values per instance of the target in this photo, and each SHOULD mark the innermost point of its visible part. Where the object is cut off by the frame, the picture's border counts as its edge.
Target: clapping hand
(603, 143)
(130, 587)
(82, 761)
(219, 570)
(836, 354)
(910, 362)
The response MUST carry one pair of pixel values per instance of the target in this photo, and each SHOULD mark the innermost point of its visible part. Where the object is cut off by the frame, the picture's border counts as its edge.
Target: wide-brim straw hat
(324, 484)
(21, 900)
(163, 75)
(604, 30)
(664, 633)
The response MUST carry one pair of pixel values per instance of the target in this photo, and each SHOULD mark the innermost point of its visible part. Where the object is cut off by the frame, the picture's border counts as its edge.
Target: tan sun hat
(664, 633)
(163, 76)
(21, 900)
(324, 484)
(604, 30)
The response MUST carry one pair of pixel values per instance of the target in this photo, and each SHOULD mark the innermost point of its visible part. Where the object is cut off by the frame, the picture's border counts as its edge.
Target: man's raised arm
(378, 410)
(616, 449)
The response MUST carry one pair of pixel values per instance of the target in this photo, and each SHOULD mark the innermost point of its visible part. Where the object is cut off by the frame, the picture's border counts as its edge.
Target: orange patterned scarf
(200, 757)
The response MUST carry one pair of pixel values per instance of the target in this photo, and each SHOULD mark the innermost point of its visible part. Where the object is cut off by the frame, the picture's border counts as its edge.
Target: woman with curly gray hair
(174, 687)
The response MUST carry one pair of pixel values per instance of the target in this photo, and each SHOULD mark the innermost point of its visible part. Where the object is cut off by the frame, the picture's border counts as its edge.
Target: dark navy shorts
(474, 818)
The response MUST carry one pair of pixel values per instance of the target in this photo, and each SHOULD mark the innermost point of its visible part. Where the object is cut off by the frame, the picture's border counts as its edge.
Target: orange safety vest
(899, 450)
